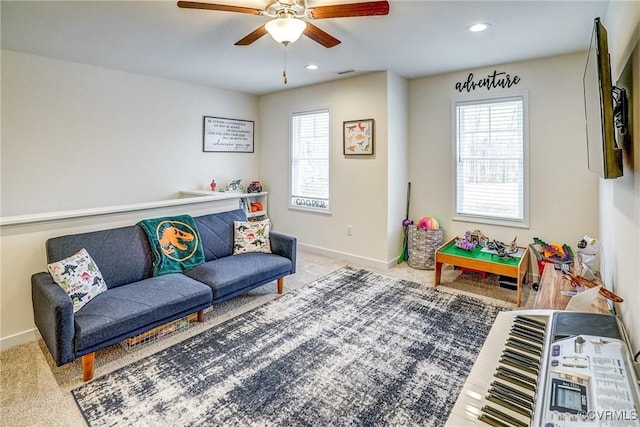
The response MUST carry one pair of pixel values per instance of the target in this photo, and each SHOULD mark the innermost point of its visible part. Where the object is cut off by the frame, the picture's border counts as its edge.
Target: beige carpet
(34, 392)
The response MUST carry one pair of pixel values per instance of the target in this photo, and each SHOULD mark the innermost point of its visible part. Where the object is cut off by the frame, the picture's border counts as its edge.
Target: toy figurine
(235, 186)
(254, 187)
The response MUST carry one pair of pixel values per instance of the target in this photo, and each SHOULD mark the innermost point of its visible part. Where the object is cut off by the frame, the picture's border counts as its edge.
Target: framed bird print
(358, 137)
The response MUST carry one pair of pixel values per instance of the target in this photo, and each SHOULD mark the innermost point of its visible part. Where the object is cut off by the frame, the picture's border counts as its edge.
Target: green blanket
(175, 243)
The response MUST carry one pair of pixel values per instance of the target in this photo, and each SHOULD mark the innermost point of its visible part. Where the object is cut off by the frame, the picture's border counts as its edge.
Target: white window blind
(310, 147)
(490, 160)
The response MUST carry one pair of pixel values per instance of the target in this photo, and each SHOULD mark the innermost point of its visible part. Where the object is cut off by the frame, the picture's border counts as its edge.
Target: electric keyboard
(551, 369)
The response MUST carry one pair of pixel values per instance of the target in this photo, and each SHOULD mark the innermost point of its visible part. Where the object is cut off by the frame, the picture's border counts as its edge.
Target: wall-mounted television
(604, 154)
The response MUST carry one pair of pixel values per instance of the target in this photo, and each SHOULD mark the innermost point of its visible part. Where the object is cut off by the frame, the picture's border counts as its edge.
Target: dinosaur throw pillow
(80, 278)
(251, 236)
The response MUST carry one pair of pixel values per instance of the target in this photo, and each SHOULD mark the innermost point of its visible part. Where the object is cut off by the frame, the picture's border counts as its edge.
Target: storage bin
(422, 247)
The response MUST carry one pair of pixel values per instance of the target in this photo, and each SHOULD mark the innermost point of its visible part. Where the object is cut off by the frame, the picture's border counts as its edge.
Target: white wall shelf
(244, 199)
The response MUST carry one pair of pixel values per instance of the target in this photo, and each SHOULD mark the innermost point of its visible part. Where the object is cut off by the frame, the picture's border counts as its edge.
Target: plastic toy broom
(405, 223)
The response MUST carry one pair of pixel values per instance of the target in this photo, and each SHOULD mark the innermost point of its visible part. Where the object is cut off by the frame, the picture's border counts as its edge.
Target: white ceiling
(417, 38)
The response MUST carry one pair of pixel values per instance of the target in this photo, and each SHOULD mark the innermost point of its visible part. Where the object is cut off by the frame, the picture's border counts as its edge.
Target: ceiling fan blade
(320, 36)
(252, 36)
(350, 9)
(222, 7)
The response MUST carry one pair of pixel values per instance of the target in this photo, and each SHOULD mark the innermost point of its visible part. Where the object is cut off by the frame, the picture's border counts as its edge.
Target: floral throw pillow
(80, 278)
(251, 236)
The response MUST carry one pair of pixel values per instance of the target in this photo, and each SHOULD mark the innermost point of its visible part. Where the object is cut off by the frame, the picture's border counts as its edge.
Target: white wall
(563, 193)
(358, 183)
(398, 161)
(619, 226)
(77, 136)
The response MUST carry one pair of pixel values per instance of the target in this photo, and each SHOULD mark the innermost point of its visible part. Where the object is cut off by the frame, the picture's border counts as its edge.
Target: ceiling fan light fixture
(286, 29)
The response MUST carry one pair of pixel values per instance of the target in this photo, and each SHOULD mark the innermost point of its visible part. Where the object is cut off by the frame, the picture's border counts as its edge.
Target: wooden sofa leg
(87, 366)
(201, 316)
(280, 285)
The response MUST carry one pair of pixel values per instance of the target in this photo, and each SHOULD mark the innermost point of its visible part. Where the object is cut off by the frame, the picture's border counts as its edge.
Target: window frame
(480, 99)
(292, 206)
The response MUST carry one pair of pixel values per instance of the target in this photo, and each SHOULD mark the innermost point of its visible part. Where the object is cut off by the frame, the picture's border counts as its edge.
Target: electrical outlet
(349, 230)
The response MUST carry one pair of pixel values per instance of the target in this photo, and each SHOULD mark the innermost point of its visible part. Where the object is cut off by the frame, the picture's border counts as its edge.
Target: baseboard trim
(19, 338)
(360, 260)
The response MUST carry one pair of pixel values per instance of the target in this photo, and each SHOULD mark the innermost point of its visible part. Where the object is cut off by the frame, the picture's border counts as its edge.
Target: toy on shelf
(235, 186)
(254, 187)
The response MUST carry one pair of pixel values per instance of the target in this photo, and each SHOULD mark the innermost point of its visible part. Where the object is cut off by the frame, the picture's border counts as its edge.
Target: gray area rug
(352, 348)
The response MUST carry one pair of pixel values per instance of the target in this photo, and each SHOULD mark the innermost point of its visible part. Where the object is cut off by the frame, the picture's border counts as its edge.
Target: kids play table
(481, 260)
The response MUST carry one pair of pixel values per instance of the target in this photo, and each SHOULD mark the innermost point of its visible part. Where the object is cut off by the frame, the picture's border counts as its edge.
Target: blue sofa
(136, 301)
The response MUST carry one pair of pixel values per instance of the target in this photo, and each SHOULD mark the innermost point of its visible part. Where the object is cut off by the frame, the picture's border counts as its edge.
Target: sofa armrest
(53, 315)
(284, 245)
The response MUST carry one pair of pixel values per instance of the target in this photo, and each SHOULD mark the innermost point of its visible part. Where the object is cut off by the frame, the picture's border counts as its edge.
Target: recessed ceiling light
(311, 67)
(476, 28)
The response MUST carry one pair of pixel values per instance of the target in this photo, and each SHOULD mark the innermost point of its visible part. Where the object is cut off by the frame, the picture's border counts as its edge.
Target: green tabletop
(476, 253)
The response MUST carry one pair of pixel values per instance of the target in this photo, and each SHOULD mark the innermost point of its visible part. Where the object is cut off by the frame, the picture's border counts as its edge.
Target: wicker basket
(160, 332)
(422, 247)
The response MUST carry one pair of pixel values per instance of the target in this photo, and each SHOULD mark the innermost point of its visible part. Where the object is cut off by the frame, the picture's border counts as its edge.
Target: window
(310, 147)
(491, 160)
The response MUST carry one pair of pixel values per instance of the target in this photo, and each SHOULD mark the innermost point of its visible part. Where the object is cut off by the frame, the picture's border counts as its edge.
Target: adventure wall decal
(492, 81)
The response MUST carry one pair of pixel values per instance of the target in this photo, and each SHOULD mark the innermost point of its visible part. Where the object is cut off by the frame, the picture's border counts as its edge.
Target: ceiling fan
(288, 18)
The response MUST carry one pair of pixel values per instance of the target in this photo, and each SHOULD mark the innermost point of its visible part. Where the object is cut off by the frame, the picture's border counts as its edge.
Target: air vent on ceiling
(345, 72)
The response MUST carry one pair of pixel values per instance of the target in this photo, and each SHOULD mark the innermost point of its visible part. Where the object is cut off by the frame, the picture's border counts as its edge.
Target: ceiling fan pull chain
(284, 70)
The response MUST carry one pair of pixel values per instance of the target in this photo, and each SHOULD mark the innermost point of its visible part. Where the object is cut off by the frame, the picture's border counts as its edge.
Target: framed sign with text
(227, 135)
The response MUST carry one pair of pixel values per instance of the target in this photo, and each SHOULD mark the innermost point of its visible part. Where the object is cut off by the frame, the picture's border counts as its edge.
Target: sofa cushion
(123, 254)
(231, 275)
(129, 307)
(251, 236)
(80, 278)
(216, 232)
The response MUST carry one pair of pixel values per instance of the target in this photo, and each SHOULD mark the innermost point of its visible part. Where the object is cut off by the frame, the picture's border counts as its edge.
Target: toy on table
(579, 281)
(558, 252)
(465, 242)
